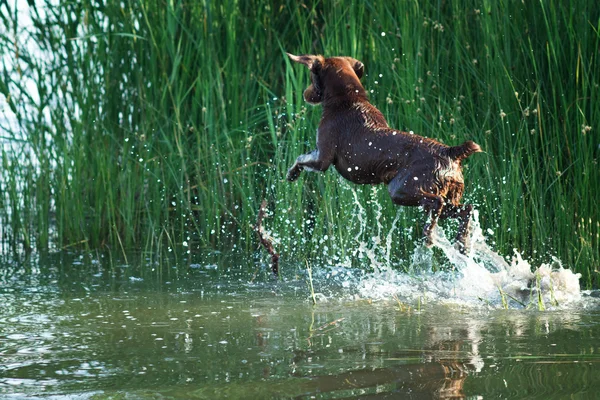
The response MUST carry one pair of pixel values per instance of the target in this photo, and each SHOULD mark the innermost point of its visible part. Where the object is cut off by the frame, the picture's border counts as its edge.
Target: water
(483, 277)
(218, 326)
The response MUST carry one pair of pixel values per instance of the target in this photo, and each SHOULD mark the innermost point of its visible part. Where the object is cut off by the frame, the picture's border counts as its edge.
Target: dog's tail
(463, 151)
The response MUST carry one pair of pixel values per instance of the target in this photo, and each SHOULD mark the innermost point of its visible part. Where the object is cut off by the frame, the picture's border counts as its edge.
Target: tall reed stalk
(128, 124)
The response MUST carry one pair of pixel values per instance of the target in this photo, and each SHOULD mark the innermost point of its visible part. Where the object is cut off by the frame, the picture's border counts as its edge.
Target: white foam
(483, 278)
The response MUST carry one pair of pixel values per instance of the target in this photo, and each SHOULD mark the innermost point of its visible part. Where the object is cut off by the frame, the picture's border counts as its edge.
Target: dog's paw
(293, 173)
(428, 241)
(463, 246)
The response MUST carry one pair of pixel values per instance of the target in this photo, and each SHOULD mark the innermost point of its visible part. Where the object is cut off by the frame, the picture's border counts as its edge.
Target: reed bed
(162, 125)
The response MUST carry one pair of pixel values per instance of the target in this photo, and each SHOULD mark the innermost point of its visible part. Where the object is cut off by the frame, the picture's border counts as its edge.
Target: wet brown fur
(354, 136)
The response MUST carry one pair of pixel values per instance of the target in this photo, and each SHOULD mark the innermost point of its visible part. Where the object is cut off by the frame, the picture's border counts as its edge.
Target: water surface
(218, 326)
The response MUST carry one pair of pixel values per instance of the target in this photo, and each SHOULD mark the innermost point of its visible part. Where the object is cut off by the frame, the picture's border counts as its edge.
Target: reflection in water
(196, 332)
(442, 380)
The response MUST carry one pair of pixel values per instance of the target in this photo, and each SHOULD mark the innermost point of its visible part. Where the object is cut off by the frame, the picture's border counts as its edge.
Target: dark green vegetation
(150, 124)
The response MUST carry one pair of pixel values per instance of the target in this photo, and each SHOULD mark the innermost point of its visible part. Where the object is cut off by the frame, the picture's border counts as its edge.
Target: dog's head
(330, 77)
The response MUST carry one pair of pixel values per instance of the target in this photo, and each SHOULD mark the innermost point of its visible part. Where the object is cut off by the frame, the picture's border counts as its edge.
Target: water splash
(481, 278)
(373, 248)
(363, 248)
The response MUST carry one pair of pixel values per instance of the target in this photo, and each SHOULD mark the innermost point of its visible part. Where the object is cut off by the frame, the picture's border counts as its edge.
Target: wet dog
(354, 136)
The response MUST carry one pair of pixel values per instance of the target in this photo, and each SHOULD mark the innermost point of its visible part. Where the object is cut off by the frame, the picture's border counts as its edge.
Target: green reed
(154, 125)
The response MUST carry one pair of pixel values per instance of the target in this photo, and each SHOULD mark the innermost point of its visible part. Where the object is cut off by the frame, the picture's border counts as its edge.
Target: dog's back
(354, 136)
(370, 152)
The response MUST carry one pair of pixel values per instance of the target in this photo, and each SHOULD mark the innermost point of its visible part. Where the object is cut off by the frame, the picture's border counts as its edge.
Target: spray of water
(481, 278)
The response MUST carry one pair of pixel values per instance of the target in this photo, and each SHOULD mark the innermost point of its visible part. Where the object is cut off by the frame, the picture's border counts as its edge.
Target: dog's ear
(312, 62)
(357, 66)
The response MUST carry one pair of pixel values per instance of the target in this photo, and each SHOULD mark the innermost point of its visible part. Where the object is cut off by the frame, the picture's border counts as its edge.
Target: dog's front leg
(294, 172)
(300, 165)
(312, 161)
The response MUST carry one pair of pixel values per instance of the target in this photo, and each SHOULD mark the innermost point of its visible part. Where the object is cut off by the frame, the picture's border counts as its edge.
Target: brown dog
(354, 136)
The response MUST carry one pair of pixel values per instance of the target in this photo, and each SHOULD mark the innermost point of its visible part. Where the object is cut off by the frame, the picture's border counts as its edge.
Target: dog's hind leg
(405, 190)
(433, 205)
(463, 212)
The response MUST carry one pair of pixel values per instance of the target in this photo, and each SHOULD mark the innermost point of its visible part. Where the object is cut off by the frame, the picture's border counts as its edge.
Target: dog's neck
(350, 93)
